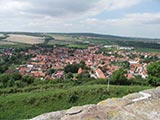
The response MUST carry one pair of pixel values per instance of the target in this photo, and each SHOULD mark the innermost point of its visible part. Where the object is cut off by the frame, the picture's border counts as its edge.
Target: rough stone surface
(145, 108)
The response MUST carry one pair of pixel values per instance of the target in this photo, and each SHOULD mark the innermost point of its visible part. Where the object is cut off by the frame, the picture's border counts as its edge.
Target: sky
(132, 18)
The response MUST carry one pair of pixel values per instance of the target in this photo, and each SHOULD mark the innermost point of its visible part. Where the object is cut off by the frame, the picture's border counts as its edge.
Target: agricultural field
(63, 37)
(58, 42)
(70, 37)
(24, 39)
(6, 43)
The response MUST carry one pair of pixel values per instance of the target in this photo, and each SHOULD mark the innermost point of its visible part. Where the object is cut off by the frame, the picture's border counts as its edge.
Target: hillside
(85, 35)
(137, 106)
(104, 36)
(24, 39)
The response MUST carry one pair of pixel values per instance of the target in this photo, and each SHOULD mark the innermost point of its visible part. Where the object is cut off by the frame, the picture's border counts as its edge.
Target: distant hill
(103, 36)
(107, 40)
(91, 35)
(87, 38)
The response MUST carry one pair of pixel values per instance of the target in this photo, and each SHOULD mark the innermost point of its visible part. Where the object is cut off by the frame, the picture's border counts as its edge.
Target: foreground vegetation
(57, 96)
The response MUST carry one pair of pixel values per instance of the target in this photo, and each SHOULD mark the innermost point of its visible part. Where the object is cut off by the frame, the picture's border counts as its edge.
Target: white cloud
(18, 14)
(11, 7)
(137, 24)
(119, 4)
(76, 16)
(62, 8)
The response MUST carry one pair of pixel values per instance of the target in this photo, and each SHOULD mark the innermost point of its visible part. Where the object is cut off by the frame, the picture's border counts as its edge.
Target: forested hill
(110, 37)
(90, 35)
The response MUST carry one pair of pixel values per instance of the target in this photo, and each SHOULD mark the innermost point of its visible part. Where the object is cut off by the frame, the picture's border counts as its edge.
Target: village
(100, 65)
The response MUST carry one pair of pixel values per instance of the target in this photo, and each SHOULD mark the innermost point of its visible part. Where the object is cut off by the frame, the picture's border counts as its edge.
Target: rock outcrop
(144, 105)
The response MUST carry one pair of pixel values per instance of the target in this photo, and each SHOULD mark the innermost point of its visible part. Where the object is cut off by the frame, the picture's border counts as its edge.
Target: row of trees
(15, 80)
(118, 77)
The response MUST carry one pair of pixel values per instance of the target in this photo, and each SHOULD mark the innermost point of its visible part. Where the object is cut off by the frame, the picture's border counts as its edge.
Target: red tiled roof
(80, 70)
(38, 73)
(130, 76)
(100, 73)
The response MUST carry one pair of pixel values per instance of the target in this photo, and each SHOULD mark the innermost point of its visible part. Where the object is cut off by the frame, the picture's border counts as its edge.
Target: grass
(59, 42)
(148, 50)
(78, 46)
(30, 104)
(16, 45)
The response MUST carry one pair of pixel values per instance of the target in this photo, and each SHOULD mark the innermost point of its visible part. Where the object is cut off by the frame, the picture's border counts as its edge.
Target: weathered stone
(51, 116)
(74, 110)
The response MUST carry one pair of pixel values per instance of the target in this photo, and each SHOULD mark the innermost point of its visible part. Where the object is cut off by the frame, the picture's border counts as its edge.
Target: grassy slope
(28, 105)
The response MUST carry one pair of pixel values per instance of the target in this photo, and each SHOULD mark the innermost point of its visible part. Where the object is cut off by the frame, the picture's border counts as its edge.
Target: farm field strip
(24, 39)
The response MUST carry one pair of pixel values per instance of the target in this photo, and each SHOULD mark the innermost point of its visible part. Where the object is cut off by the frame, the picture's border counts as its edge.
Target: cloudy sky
(135, 18)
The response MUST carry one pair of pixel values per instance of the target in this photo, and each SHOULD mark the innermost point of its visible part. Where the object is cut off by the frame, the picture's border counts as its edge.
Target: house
(80, 71)
(38, 74)
(100, 74)
(130, 76)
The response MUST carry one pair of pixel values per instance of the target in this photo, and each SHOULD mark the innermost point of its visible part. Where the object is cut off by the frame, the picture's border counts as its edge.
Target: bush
(30, 101)
(73, 98)
(154, 81)
(28, 79)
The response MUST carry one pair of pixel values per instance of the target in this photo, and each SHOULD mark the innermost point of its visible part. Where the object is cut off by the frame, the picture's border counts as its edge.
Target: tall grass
(27, 105)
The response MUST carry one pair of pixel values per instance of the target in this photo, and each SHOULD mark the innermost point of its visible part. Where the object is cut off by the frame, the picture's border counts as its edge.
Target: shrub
(73, 98)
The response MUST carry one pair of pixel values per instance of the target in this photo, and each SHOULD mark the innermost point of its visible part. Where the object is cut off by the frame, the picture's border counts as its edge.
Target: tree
(154, 73)
(69, 75)
(16, 76)
(19, 84)
(154, 81)
(119, 78)
(50, 71)
(154, 69)
(4, 79)
(126, 65)
(3, 68)
(11, 83)
(73, 68)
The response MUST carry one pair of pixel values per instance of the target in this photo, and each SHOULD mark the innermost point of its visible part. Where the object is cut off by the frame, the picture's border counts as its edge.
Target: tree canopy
(154, 73)
(119, 78)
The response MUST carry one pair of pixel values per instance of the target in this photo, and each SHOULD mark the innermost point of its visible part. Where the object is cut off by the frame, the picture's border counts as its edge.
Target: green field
(16, 45)
(148, 50)
(30, 104)
(78, 46)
